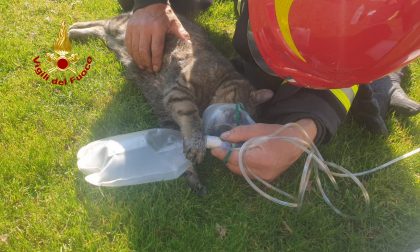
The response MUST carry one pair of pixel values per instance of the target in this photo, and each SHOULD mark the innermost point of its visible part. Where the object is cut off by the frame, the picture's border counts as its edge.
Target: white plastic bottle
(134, 158)
(151, 155)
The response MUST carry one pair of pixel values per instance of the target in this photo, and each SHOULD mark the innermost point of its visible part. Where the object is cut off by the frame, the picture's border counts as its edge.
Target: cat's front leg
(194, 147)
(180, 103)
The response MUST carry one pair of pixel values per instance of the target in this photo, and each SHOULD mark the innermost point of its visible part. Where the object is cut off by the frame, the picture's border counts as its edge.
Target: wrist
(309, 126)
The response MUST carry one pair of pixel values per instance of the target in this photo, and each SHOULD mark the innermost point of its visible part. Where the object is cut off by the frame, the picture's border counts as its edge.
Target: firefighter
(315, 64)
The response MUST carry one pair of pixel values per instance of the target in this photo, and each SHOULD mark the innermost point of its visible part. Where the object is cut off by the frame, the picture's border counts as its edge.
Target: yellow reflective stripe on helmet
(282, 12)
(345, 95)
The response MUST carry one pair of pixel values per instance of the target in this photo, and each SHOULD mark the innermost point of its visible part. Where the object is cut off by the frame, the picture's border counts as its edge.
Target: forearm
(309, 126)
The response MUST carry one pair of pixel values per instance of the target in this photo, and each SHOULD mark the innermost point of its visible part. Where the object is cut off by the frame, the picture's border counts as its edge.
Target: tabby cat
(194, 75)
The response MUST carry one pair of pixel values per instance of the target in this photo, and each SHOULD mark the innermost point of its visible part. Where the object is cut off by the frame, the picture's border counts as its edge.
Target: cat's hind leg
(83, 30)
(88, 24)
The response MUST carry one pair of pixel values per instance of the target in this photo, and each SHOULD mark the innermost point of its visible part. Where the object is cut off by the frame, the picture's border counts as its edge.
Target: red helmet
(335, 44)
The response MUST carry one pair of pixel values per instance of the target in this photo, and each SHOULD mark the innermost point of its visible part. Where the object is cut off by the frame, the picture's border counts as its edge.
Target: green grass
(45, 205)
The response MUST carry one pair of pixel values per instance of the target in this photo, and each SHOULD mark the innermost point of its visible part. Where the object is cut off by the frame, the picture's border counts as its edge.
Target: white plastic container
(134, 158)
(151, 155)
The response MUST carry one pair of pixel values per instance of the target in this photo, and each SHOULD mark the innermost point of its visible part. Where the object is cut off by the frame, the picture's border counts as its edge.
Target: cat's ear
(261, 96)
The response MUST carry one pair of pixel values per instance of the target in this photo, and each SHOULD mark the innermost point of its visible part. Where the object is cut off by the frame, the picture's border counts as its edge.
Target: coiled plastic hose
(314, 163)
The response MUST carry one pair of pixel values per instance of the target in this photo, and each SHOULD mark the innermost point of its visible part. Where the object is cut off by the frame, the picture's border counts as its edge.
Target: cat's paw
(194, 182)
(76, 34)
(195, 148)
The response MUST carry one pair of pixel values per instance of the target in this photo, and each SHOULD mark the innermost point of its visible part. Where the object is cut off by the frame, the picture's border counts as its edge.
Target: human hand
(146, 31)
(274, 157)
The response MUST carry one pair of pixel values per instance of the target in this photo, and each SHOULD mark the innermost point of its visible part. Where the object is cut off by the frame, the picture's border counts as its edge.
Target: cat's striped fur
(193, 76)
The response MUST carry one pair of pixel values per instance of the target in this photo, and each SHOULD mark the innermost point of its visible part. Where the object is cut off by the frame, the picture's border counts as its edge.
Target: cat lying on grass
(194, 75)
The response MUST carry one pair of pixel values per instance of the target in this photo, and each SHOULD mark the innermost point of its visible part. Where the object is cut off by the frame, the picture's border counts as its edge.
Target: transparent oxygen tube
(222, 118)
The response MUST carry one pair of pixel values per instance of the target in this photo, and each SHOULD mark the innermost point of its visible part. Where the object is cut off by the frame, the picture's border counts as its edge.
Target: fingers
(128, 40)
(268, 159)
(146, 47)
(144, 57)
(134, 48)
(158, 44)
(145, 35)
(251, 158)
(146, 31)
(263, 161)
(232, 162)
(245, 132)
(132, 41)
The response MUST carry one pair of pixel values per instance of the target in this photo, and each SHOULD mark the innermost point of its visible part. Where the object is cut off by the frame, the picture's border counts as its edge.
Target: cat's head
(243, 92)
(255, 98)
